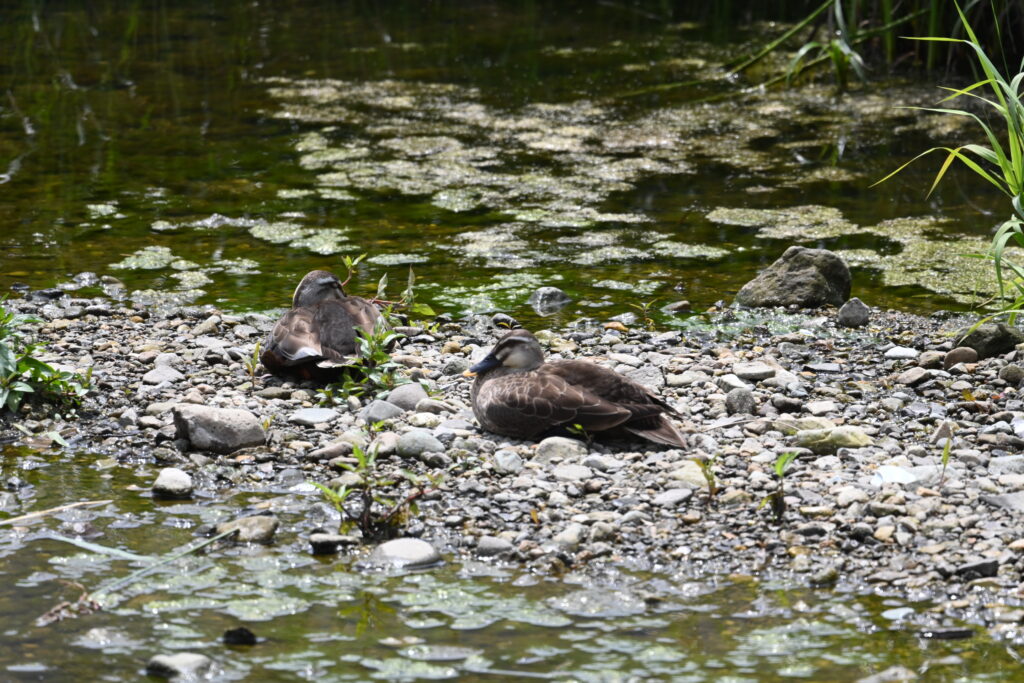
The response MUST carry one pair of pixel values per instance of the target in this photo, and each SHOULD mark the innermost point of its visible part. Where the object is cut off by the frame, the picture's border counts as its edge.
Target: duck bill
(489, 361)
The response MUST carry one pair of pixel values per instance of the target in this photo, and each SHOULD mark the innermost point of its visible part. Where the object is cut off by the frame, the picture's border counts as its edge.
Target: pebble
(405, 553)
(559, 448)
(254, 529)
(184, 665)
(416, 442)
(672, 497)
(310, 417)
(753, 372)
(221, 430)
(490, 546)
(853, 313)
(406, 396)
(172, 483)
(740, 401)
(379, 410)
(507, 462)
(961, 354)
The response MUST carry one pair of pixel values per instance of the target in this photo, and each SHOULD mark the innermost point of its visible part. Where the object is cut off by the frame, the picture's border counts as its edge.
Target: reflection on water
(216, 155)
(468, 619)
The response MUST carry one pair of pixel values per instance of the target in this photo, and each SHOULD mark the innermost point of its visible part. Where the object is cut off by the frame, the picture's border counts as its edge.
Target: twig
(41, 513)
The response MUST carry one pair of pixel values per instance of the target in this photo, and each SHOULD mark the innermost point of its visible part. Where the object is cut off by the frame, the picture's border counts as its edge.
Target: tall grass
(1000, 162)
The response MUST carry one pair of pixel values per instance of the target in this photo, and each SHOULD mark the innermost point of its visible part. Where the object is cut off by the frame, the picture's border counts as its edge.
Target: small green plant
(378, 514)
(1001, 166)
(706, 466)
(945, 458)
(252, 363)
(579, 431)
(350, 266)
(645, 312)
(777, 498)
(22, 374)
(839, 51)
(372, 372)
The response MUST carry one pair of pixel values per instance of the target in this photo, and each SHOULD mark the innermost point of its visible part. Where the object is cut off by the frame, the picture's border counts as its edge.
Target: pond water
(213, 153)
(324, 619)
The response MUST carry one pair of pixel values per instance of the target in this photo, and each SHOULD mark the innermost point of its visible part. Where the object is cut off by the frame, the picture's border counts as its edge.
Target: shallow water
(216, 153)
(468, 619)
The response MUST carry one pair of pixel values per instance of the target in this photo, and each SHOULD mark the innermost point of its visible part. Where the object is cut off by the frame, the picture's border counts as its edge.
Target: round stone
(405, 553)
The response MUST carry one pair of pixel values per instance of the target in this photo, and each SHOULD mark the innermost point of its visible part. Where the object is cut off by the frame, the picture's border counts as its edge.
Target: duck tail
(665, 433)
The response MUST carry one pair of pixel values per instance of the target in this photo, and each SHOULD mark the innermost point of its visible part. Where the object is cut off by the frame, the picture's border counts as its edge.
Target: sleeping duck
(318, 334)
(517, 394)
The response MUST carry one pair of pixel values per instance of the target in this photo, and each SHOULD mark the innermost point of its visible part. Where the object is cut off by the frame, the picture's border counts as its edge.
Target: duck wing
(337, 320)
(527, 404)
(294, 340)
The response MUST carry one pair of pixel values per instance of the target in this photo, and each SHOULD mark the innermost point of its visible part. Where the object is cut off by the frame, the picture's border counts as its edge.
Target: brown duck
(318, 335)
(517, 394)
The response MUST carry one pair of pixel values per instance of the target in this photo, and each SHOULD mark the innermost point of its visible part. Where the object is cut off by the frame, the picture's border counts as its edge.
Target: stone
(221, 430)
(507, 462)
(1006, 464)
(190, 666)
(992, 339)
(405, 553)
(172, 483)
(548, 300)
(1012, 374)
(328, 544)
(379, 411)
(854, 313)
(253, 529)
(559, 448)
(730, 381)
(978, 568)
(161, 374)
(848, 495)
(308, 417)
(689, 473)
(820, 408)
(416, 442)
(490, 546)
(406, 396)
(824, 441)
(1007, 501)
(807, 278)
(902, 353)
(740, 402)
(753, 372)
(961, 354)
(913, 376)
(931, 359)
(672, 497)
(570, 538)
(572, 473)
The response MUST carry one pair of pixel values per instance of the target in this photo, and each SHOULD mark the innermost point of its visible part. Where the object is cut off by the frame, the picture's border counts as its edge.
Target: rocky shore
(869, 504)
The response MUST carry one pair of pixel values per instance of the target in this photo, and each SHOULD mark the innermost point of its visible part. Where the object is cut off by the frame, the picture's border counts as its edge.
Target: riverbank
(869, 507)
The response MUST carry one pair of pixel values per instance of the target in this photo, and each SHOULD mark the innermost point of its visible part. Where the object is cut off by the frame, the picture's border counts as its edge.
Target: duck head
(316, 287)
(517, 350)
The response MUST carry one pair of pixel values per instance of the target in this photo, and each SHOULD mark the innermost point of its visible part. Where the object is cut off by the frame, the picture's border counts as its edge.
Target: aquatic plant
(777, 498)
(22, 374)
(1002, 166)
(839, 51)
(378, 515)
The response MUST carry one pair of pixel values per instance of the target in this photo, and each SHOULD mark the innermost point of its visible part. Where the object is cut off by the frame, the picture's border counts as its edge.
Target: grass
(1000, 162)
(777, 498)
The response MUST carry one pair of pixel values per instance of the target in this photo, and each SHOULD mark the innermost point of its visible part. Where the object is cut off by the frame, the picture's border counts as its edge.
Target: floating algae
(147, 258)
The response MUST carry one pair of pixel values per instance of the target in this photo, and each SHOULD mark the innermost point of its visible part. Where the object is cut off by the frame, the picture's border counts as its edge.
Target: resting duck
(318, 334)
(517, 394)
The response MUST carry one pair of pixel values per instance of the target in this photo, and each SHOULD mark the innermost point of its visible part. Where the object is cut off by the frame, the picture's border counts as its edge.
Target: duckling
(318, 335)
(517, 394)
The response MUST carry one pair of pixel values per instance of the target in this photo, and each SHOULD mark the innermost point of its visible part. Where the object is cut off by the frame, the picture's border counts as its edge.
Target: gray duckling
(517, 394)
(317, 336)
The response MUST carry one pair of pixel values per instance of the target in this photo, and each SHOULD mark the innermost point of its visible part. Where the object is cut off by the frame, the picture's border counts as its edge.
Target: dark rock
(239, 636)
(978, 569)
(803, 277)
(992, 339)
(328, 544)
(1012, 374)
(854, 313)
(740, 402)
(961, 354)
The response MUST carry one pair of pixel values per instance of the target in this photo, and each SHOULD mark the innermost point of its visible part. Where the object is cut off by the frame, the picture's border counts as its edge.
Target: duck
(318, 335)
(516, 393)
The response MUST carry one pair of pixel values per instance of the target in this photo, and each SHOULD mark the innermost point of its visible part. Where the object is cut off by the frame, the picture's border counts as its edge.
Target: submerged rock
(187, 665)
(172, 483)
(254, 529)
(548, 300)
(803, 277)
(405, 553)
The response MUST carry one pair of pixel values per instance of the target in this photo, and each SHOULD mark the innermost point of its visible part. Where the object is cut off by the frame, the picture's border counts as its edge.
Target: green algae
(809, 222)
(147, 258)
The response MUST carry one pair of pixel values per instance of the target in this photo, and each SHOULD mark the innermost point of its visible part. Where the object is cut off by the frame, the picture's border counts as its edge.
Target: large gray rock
(407, 396)
(547, 300)
(807, 278)
(221, 430)
(992, 339)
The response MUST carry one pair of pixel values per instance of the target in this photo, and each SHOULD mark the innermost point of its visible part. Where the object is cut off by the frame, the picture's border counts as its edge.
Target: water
(215, 153)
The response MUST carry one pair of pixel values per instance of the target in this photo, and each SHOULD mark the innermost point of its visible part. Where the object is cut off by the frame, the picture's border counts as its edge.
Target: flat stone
(221, 430)
(507, 462)
(913, 376)
(406, 396)
(978, 568)
(730, 381)
(405, 553)
(572, 472)
(274, 393)
(416, 442)
(824, 367)
(570, 537)
(254, 529)
(820, 408)
(560, 448)
(753, 372)
(161, 374)
(379, 411)
(490, 546)
(848, 495)
(603, 463)
(931, 359)
(1007, 501)
(689, 473)
(308, 417)
(672, 497)
(1006, 464)
(172, 483)
(186, 665)
(902, 353)
(646, 375)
